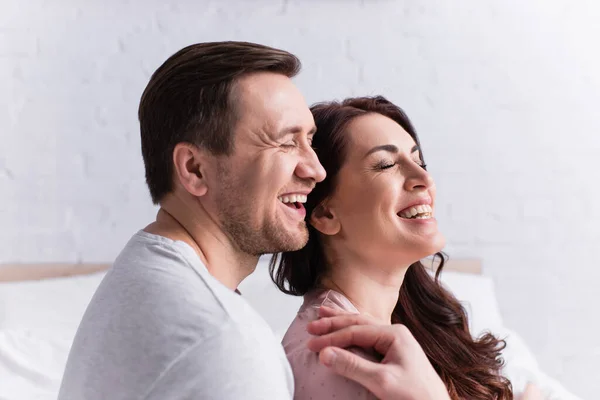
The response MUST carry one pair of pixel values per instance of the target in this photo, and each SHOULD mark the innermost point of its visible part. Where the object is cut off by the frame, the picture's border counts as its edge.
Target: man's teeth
(423, 211)
(294, 198)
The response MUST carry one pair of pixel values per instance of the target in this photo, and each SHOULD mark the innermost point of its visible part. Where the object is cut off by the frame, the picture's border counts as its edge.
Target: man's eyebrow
(296, 129)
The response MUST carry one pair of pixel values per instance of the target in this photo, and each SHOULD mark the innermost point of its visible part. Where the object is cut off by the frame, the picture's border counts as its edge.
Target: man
(226, 141)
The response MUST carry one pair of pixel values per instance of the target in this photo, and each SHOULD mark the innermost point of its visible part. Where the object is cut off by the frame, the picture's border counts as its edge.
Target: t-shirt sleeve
(224, 367)
(315, 381)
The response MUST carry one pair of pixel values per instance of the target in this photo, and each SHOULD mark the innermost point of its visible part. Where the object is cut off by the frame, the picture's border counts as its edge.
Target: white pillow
(522, 368)
(38, 321)
(57, 303)
(478, 296)
(32, 363)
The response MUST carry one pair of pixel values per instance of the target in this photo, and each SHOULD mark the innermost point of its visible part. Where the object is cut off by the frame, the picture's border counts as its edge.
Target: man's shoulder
(164, 314)
(163, 286)
(156, 288)
(157, 267)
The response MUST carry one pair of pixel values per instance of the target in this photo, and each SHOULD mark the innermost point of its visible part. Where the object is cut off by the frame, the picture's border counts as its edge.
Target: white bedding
(56, 304)
(31, 363)
(38, 321)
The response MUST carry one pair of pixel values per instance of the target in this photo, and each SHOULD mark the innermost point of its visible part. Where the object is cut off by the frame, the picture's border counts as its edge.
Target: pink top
(314, 381)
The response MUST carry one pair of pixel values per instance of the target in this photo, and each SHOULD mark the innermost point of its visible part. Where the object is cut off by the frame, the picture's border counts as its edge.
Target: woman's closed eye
(383, 165)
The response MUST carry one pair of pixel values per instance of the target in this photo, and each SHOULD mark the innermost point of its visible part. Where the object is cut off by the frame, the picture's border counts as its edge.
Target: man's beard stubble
(253, 237)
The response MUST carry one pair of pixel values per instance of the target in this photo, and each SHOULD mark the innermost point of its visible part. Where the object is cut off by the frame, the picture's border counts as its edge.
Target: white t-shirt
(161, 327)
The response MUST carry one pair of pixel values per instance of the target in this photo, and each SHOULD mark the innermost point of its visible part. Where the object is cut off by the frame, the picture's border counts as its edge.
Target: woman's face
(384, 199)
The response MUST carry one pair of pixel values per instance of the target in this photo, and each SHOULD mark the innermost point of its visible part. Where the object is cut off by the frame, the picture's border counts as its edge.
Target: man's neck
(373, 291)
(178, 219)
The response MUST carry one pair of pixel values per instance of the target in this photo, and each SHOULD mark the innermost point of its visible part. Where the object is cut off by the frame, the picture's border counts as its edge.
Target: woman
(370, 223)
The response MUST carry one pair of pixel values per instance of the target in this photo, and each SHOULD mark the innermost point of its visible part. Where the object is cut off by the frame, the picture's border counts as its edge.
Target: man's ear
(324, 220)
(190, 168)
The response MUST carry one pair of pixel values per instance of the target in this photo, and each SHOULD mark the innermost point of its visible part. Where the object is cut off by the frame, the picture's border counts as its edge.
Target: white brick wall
(504, 94)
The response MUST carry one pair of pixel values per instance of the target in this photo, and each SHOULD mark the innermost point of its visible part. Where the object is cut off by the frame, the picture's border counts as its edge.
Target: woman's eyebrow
(390, 148)
(384, 147)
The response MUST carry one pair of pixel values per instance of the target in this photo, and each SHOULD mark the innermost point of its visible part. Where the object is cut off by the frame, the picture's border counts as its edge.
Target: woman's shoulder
(326, 297)
(296, 336)
(312, 379)
(295, 339)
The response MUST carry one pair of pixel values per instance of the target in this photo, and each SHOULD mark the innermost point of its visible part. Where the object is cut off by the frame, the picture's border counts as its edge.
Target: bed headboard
(464, 265)
(30, 272)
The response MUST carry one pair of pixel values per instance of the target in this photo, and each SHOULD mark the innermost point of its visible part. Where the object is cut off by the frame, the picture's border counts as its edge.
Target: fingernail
(328, 357)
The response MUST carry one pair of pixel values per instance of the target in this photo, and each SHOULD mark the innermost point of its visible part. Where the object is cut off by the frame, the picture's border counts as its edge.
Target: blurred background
(504, 94)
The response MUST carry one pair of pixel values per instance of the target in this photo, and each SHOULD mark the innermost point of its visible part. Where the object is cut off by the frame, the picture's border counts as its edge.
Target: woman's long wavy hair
(470, 368)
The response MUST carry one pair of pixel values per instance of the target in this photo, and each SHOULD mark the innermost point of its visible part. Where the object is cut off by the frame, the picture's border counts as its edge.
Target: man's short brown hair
(188, 99)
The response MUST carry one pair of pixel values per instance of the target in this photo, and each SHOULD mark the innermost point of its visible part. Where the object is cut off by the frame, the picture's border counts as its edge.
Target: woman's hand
(405, 373)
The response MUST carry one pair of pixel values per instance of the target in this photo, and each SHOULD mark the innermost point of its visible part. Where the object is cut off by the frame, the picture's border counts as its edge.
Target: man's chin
(299, 243)
(296, 239)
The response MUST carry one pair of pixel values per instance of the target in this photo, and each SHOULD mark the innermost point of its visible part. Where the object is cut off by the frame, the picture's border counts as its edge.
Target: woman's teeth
(418, 212)
(294, 198)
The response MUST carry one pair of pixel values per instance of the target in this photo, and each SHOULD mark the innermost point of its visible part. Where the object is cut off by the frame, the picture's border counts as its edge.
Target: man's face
(260, 188)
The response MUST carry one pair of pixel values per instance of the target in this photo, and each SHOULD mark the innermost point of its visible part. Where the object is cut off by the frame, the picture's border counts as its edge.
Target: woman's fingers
(366, 336)
(325, 312)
